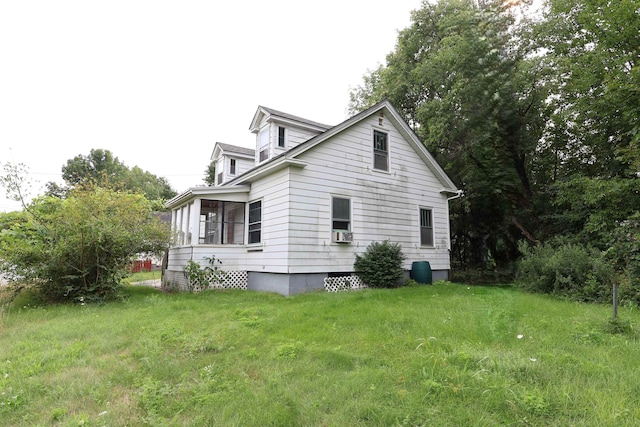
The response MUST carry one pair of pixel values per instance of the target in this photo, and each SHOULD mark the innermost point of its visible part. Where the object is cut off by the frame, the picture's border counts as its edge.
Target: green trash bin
(421, 272)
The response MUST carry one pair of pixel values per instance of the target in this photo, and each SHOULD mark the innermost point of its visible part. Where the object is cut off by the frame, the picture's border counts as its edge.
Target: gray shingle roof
(288, 116)
(228, 148)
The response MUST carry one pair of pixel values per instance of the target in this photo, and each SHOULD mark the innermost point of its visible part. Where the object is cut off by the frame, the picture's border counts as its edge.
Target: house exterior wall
(271, 254)
(293, 136)
(297, 251)
(223, 165)
(383, 205)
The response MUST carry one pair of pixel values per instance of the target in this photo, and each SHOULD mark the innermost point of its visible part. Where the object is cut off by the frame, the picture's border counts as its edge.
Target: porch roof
(222, 193)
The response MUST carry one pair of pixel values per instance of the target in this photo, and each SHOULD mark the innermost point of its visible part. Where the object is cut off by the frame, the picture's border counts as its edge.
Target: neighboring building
(310, 197)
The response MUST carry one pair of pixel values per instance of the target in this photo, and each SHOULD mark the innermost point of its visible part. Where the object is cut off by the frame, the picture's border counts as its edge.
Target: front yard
(438, 355)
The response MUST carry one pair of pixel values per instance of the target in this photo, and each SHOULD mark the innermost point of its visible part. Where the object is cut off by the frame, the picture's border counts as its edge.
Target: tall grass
(431, 355)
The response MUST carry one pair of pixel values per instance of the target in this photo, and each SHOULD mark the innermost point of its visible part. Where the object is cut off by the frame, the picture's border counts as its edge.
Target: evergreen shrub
(381, 265)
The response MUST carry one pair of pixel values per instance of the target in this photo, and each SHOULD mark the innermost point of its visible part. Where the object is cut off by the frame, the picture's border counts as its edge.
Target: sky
(158, 82)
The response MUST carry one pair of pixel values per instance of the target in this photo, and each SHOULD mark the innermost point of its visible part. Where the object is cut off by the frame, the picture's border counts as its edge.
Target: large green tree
(102, 168)
(593, 48)
(465, 80)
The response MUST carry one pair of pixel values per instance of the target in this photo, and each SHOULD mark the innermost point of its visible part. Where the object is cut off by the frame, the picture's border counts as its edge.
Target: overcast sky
(159, 82)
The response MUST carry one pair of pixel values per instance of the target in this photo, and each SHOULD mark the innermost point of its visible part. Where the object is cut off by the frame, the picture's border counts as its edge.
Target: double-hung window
(380, 150)
(341, 214)
(255, 222)
(281, 139)
(263, 144)
(426, 227)
(232, 166)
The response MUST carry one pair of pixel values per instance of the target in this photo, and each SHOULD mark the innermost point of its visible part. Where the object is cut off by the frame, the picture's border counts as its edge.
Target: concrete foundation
(285, 284)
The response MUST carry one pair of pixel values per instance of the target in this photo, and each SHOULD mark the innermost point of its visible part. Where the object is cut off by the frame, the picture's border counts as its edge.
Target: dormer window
(281, 137)
(263, 144)
(232, 166)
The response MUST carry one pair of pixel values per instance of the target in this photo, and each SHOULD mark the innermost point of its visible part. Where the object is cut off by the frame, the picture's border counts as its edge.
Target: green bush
(77, 249)
(381, 265)
(568, 270)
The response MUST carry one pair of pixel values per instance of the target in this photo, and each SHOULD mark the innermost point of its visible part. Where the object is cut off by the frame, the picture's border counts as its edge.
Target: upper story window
(426, 227)
(380, 150)
(232, 166)
(341, 214)
(263, 143)
(281, 139)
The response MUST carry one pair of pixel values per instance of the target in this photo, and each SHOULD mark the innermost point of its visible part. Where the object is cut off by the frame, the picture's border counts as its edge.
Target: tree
(594, 48)
(210, 174)
(77, 248)
(99, 167)
(102, 168)
(465, 81)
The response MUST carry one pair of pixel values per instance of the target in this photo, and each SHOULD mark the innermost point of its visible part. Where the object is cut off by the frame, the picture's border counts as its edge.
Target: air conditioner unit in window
(343, 237)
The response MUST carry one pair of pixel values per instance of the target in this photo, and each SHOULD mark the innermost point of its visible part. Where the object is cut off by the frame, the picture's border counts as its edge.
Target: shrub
(204, 277)
(77, 249)
(568, 270)
(381, 265)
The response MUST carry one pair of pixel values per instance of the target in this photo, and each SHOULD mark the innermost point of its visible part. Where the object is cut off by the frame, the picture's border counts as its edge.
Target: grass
(143, 275)
(441, 355)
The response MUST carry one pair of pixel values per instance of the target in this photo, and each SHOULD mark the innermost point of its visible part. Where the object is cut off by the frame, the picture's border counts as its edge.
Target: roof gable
(232, 150)
(385, 107)
(285, 118)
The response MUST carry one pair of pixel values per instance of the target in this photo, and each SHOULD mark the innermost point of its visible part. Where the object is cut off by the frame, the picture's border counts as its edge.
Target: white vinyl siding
(382, 205)
(273, 191)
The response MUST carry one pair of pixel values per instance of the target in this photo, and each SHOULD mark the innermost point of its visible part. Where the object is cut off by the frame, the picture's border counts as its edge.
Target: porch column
(195, 222)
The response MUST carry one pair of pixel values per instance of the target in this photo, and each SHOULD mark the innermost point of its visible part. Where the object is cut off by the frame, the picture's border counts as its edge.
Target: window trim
(430, 227)
(264, 143)
(233, 165)
(349, 220)
(374, 131)
(250, 224)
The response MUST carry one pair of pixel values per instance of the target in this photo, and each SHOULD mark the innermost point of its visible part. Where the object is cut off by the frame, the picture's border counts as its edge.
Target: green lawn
(441, 355)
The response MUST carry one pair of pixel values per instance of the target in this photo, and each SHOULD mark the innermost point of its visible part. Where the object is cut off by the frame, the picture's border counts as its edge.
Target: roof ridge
(293, 117)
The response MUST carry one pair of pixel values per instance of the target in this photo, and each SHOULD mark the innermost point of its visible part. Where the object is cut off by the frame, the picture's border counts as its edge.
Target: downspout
(457, 195)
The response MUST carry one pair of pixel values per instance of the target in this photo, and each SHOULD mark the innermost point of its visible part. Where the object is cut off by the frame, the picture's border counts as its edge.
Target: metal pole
(615, 300)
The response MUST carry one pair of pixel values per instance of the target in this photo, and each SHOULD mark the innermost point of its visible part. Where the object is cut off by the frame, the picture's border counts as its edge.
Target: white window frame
(250, 224)
(373, 148)
(429, 227)
(233, 167)
(349, 220)
(263, 144)
(284, 137)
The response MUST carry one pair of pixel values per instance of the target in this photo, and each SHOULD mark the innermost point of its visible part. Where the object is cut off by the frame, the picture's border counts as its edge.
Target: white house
(310, 197)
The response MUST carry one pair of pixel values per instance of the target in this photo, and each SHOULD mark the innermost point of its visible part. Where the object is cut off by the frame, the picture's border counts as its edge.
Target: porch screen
(221, 223)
